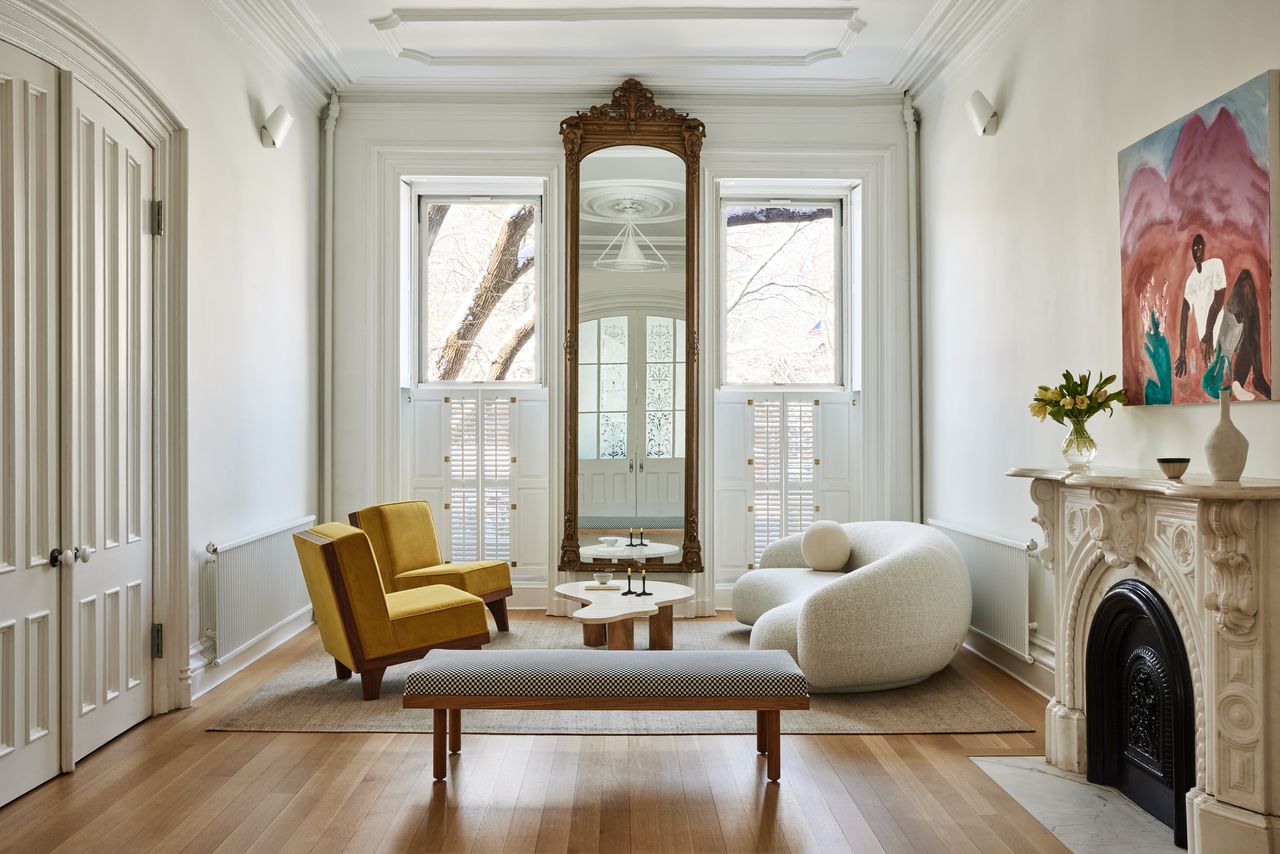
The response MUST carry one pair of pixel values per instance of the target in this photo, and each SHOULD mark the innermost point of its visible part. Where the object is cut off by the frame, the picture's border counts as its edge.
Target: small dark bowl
(1173, 467)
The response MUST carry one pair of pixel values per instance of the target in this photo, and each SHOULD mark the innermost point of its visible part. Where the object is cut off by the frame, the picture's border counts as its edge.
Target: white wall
(253, 267)
(382, 135)
(1021, 256)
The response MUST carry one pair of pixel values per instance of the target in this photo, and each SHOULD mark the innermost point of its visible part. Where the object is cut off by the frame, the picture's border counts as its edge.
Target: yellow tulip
(1100, 394)
(1055, 394)
(1068, 403)
(1082, 402)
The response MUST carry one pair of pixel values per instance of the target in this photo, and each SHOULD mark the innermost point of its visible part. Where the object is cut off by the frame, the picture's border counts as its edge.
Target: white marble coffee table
(609, 617)
(624, 552)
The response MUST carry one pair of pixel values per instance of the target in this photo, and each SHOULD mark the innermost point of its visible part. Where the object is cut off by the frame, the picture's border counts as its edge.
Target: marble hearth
(1209, 550)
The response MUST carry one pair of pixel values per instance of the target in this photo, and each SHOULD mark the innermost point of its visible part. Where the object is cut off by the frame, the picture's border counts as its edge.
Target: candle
(628, 572)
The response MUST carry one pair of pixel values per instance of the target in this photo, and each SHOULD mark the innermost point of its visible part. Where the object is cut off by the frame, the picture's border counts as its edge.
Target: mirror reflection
(631, 353)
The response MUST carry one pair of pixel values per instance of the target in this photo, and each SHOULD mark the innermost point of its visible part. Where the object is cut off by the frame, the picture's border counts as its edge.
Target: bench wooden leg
(371, 683)
(661, 626)
(622, 634)
(762, 732)
(498, 607)
(455, 730)
(439, 731)
(774, 744)
(594, 634)
(343, 671)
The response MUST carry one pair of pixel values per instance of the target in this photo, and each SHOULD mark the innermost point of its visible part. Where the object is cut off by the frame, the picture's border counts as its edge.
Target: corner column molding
(1196, 543)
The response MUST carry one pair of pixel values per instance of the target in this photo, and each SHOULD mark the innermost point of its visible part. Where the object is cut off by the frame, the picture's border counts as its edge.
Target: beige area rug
(307, 698)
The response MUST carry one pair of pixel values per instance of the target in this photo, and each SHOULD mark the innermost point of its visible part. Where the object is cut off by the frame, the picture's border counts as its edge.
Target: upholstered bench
(449, 681)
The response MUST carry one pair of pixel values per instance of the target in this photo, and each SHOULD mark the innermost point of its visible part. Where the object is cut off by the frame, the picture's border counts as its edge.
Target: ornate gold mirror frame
(631, 118)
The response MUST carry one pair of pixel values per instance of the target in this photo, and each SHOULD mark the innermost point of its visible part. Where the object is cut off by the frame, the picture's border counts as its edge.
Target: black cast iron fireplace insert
(1138, 704)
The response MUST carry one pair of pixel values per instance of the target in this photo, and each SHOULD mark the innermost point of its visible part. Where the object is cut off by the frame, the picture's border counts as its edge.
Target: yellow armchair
(366, 629)
(403, 536)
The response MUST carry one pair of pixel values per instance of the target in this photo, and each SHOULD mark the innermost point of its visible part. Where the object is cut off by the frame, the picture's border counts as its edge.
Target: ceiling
(844, 46)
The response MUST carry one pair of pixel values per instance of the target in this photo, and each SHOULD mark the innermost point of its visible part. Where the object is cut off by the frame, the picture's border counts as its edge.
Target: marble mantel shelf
(1192, 486)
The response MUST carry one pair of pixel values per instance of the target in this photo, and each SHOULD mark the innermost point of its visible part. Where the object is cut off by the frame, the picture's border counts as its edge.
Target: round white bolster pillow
(825, 546)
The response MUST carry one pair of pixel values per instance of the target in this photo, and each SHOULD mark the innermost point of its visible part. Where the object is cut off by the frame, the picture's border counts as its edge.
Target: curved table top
(608, 606)
(625, 552)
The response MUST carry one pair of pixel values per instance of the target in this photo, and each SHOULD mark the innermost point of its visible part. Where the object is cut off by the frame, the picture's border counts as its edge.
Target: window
(782, 275)
(477, 289)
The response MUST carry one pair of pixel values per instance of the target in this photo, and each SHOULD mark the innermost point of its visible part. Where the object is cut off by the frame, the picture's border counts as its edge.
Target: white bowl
(613, 541)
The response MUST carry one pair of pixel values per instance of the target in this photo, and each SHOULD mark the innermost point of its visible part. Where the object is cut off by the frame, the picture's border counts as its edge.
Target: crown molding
(290, 36)
(387, 25)
(821, 92)
(954, 32)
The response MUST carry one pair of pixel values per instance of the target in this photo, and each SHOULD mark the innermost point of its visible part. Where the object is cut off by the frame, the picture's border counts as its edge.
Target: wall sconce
(984, 116)
(276, 128)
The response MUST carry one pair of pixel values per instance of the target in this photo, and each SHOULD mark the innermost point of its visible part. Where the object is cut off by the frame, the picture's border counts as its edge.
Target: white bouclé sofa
(896, 615)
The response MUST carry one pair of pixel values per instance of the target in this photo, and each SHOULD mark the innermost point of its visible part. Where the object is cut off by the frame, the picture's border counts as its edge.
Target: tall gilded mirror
(631, 348)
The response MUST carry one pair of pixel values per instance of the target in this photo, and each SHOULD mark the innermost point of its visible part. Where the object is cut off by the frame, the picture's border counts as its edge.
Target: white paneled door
(29, 422)
(106, 463)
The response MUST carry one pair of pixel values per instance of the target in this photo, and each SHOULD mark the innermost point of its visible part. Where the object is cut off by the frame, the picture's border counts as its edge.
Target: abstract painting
(1198, 223)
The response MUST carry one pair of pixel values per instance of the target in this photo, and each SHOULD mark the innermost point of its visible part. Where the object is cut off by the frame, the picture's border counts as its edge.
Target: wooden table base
(594, 634)
(622, 634)
(661, 627)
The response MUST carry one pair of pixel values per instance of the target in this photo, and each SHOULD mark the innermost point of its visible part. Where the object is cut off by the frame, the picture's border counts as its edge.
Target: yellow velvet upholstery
(386, 625)
(403, 535)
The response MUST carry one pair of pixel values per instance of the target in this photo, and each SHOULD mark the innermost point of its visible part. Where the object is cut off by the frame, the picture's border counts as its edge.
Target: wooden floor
(168, 785)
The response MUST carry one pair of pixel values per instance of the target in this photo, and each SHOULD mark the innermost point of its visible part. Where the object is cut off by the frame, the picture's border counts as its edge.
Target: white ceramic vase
(1227, 448)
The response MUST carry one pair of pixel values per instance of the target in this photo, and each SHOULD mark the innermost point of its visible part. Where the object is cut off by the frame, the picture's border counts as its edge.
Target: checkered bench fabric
(607, 673)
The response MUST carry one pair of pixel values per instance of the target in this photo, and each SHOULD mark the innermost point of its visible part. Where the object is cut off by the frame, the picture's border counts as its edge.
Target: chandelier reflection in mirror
(625, 254)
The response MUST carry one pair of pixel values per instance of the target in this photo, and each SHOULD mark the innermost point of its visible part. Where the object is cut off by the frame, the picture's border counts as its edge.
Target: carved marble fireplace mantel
(1210, 550)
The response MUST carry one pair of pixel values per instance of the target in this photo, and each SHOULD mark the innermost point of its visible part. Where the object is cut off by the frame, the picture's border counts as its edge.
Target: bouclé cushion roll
(825, 546)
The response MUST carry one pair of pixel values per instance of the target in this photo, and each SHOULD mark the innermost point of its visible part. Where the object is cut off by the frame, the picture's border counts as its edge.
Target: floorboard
(170, 785)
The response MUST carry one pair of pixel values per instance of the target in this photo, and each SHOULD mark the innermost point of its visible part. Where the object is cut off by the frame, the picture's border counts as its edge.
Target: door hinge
(157, 218)
(157, 640)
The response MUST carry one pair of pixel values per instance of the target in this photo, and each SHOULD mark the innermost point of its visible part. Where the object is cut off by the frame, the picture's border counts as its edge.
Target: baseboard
(206, 676)
(527, 596)
(724, 597)
(1036, 675)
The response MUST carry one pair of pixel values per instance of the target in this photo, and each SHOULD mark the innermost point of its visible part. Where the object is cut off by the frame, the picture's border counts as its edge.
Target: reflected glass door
(631, 418)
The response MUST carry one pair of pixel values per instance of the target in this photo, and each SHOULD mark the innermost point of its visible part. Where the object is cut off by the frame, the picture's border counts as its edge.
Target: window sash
(840, 368)
(419, 303)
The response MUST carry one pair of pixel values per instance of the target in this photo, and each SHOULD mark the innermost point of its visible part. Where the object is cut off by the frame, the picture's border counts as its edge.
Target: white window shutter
(495, 438)
(768, 466)
(464, 478)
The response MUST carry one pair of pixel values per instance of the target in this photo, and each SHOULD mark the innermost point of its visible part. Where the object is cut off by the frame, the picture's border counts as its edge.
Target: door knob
(59, 557)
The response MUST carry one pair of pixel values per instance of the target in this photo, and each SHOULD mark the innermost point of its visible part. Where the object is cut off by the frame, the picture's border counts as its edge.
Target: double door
(75, 422)
(631, 422)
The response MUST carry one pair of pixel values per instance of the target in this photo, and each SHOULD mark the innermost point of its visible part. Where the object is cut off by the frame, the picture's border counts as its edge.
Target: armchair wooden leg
(498, 607)
(762, 732)
(775, 744)
(455, 730)
(371, 683)
(344, 672)
(440, 728)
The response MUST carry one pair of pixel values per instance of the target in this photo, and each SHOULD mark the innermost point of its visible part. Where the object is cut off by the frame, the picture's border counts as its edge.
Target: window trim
(422, 193)
(765, 194)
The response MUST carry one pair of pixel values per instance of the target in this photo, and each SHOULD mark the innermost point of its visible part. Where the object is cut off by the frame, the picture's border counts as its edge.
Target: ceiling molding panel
(292, 39)
(751, 31)
(954, 33)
